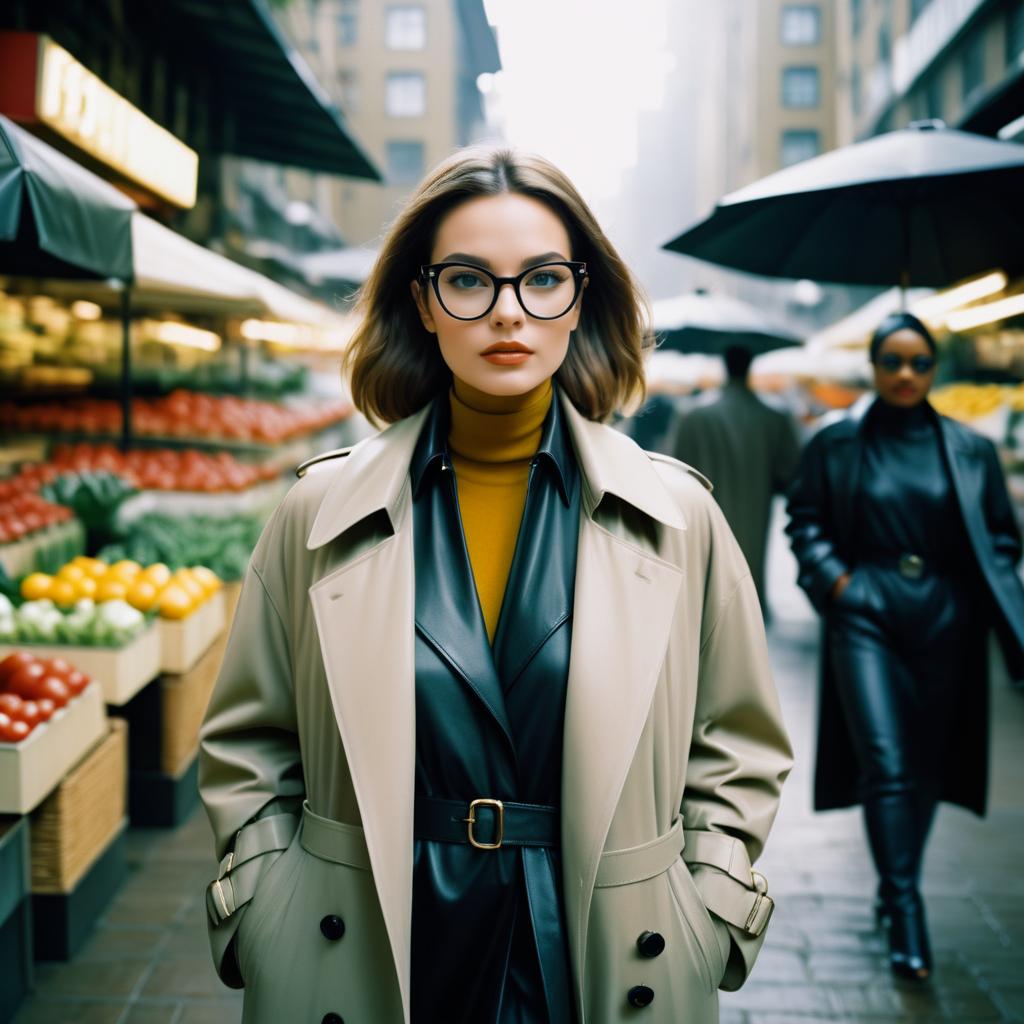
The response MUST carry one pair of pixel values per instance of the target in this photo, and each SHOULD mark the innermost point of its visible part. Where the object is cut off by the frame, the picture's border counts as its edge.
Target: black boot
(926, 805)
(894, 835)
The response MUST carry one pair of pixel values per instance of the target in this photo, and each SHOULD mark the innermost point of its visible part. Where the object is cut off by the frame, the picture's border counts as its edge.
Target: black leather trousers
(899, 649)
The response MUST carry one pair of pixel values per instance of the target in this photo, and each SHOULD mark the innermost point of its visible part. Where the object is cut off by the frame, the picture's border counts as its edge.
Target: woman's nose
(507, 309)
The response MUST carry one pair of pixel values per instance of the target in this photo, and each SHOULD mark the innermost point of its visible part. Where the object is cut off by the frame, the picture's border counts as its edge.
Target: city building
(961, 61)
(406, 76)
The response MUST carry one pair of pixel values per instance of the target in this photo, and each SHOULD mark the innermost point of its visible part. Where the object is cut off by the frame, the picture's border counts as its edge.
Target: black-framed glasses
(892, 363)
(467, 292)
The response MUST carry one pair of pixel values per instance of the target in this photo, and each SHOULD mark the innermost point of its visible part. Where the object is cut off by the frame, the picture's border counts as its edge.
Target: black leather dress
(902, 631)
(489, 942)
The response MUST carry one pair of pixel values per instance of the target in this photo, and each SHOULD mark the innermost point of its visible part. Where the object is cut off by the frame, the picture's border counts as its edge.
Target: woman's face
(901, 359)
(507, 351)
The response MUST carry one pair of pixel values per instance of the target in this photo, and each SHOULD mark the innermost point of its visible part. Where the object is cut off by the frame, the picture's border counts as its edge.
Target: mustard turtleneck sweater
(492, 440)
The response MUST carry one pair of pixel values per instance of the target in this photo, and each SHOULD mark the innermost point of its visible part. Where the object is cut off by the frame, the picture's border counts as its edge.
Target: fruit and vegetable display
(179, 414)
(33, 690)
(223, 544)
(964, 401)
(153, 588)
(23, 513)
(86, 623)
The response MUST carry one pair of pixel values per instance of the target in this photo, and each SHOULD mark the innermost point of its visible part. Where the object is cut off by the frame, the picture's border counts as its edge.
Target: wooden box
(31, 769)
(122, 671)
(183, 699)
(81, 817)
(184, 641)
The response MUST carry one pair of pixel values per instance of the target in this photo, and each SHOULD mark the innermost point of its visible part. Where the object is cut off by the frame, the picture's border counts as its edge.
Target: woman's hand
(839, 586)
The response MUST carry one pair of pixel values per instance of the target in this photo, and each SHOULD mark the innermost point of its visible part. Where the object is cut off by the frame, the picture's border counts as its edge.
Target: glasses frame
(914, 362)
(429, 274)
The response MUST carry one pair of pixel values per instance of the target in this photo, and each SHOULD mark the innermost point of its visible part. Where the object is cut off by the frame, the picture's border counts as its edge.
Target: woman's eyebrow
(479, 261)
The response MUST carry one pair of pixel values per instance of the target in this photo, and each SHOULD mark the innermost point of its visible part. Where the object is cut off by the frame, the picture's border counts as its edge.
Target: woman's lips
(507, 357)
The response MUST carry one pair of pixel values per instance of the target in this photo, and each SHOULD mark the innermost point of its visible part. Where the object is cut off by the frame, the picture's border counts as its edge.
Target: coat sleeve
(250, 770)
(999, 514)
(739, 756)
(809, 529)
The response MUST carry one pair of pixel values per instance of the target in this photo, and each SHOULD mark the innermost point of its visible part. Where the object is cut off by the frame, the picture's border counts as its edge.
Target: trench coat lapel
(624, 605)
(363, 609)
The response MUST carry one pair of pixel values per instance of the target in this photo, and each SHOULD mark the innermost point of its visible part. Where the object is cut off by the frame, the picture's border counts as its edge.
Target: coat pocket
(698, 920)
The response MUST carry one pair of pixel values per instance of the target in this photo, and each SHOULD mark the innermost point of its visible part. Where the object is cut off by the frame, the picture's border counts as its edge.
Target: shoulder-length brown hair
(394, 364)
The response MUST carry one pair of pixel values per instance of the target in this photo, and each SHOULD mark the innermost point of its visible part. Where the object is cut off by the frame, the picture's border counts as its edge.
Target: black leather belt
(486, 823)
(909, 566)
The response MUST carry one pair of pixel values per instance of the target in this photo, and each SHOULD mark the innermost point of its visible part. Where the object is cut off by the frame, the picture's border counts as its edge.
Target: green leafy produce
(108, 624)
(95, 497)
(221, 544)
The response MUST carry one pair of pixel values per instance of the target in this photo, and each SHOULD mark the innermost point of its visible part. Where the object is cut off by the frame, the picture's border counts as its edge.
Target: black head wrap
(899, 322)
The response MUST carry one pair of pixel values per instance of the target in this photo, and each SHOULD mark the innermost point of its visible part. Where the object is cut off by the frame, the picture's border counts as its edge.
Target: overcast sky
(575, 76)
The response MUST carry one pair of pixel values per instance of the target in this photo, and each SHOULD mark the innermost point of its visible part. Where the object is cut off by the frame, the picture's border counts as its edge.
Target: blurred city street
(824, 960)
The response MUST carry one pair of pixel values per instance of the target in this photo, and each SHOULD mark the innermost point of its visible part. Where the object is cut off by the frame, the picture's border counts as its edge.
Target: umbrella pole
(126, 368)
(904, 286)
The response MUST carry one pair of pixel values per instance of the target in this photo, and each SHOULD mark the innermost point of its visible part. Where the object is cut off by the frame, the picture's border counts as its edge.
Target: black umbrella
(925, 205)
(700, 322)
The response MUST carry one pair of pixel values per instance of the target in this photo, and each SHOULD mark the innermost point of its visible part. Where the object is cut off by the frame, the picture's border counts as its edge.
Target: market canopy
(56, 218)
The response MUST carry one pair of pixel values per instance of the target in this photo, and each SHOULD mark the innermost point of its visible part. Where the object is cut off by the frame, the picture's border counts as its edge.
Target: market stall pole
(126, 368)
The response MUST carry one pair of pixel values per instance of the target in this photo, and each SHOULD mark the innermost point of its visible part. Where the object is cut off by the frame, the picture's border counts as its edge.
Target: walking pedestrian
(491, 667)
(907, 544)
(747, 449)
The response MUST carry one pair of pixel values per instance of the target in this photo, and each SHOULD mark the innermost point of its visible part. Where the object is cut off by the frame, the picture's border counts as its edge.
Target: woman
(907, 545)
(492, 667)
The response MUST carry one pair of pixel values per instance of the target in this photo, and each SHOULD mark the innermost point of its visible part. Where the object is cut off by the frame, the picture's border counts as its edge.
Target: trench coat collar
(375, 472)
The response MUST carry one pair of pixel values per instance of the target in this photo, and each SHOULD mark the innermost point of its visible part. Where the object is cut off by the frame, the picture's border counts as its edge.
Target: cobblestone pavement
(823, 961)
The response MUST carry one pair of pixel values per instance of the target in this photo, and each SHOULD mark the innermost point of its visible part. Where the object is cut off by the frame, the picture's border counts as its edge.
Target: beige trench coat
(673, 745)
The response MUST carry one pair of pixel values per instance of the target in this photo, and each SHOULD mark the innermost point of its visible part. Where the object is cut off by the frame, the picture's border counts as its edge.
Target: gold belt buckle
(471, 822)
(911, 567)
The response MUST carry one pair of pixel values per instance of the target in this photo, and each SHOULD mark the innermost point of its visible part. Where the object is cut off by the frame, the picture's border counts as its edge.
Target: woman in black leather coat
(907, 544)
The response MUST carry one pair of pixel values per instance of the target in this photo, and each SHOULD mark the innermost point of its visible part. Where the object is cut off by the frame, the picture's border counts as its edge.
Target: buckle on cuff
(499, 807)
(218, 905)
(763, 905)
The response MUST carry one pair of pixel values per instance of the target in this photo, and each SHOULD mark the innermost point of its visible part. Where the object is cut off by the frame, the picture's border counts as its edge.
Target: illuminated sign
(82, 108)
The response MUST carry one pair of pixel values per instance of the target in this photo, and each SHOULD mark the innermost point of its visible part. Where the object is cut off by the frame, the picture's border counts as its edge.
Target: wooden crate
(31, 769)
(81, 817)
(184, 698)
(184, 641)
(121, 671)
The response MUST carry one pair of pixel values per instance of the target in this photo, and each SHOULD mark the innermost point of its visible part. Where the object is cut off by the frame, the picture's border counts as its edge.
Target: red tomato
(12, 663)
(12, 731)
(57, 667)
(25, 680)
(29, 714)
(56, 689)
(11, 704)
(46, 708)
(76, 681)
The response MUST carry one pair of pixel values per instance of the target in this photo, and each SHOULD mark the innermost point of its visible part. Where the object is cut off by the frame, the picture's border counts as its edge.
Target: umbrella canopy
(700, 322)
(56, 218)
(924, 205)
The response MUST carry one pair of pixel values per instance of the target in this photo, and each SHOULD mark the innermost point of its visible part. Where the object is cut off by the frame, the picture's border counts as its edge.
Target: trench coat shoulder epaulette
(700, 477)
(305, 467)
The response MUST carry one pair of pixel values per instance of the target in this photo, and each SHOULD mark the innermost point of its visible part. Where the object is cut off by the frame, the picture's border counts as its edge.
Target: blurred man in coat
(747, 449)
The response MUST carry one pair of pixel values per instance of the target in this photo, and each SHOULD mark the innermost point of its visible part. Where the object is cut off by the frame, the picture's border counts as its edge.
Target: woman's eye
(465, 279)
(544, 279)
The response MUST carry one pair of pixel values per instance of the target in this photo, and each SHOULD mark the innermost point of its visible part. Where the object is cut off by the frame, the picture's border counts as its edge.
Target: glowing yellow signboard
(82, 108)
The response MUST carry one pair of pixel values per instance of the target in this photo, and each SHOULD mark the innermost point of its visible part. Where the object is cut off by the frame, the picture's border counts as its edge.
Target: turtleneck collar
(893, 419)
(550, 445)
(497, 428)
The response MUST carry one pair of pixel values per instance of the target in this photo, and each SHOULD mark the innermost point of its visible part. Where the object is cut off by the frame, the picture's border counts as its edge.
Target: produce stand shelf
(45, 550)
(156, 800)
(81, 817)
(184, 641)
(15, 915)
(15, 451)
(254, 500)
(121, 671)
(63, 921)
(29, 770)
(183, 701)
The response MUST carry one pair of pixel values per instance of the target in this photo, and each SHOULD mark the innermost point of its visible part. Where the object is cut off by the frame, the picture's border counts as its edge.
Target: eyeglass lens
(891, 362)
(546, 291)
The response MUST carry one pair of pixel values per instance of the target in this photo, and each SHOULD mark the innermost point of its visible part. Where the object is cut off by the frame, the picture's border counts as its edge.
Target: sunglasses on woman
(892, 363)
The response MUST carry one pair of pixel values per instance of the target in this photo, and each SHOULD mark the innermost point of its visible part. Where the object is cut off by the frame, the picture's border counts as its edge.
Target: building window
(856, 15)
(348, 22)
(933, 97)
(916, 7)
(856, 93)
(973, 65)
(405, 28)
(348, 91)
(884, 43)
(1015, 34)
(406, 162)
(801, 87)
(799, 144)
(406, 94)
(801, 25)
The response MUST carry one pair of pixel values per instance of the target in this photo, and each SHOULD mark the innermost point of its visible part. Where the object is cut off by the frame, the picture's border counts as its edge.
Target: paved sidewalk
(823, 960)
